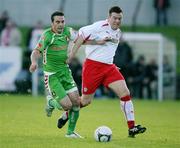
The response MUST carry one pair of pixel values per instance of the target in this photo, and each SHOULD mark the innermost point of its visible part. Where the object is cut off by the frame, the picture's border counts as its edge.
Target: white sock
(128, 110)
(64, 115)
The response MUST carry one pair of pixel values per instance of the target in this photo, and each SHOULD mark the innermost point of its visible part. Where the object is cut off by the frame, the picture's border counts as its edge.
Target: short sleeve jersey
(54, 49)
(98, 31)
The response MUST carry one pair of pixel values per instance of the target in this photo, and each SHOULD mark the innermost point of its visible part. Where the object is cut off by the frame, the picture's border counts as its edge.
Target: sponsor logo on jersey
(58, 48)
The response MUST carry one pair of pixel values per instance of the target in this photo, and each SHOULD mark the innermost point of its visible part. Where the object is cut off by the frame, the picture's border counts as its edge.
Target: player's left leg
(120, 88)
(84, 101)
(74, 112)
(115, 81)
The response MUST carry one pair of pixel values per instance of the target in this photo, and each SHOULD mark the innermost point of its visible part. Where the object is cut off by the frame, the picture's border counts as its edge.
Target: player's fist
(103, 41)
(33, 67)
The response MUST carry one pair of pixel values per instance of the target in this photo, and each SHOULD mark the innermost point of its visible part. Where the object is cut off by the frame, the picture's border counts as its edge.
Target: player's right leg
(56, 93)
(49, 109)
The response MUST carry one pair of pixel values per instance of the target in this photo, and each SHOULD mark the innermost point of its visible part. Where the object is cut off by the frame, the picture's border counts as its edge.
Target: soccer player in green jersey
(60, 86)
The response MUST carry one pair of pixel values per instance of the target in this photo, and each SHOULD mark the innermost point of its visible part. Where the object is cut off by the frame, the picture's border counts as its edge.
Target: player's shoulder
(47, 32)
(101, 23)
(67, 28)
(97, 25)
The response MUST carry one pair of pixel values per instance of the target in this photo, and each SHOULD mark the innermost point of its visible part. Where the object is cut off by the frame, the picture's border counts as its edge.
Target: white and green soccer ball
(103, 134)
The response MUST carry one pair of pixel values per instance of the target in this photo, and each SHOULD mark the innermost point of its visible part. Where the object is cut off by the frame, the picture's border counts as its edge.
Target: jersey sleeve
(89, 32)
(43, 42)
(73, 34)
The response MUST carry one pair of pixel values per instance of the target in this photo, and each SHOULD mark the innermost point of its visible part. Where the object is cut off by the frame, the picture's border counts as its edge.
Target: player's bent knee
(85, 102)
(125, 92)
(67, 107)
(76, 102)
(66, 103)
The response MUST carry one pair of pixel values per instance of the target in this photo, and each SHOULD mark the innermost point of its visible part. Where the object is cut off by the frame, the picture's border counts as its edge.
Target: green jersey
(54, 49)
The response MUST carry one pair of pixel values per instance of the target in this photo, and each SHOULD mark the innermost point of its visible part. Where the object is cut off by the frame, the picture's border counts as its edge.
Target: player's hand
(68, 61)
(103, 41)
(33, 67)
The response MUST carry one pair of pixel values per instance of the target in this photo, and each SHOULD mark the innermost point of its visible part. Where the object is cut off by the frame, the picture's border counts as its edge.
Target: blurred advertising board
(10, 66)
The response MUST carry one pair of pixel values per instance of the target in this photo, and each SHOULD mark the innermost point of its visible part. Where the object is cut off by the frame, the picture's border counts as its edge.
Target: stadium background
(139, 16)
(82, 12)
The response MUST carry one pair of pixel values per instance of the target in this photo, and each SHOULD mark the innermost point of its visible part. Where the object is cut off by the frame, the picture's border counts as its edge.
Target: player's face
(58, 24)
(115, 20)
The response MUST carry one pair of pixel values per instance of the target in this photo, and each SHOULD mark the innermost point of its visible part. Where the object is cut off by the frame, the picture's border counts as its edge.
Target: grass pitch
(23, 124)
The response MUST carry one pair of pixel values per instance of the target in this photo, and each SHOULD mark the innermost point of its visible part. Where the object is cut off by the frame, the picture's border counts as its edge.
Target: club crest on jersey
(85, 89)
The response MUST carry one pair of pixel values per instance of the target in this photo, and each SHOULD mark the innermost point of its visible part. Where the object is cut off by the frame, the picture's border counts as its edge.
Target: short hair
(115, 9)
(56, 13)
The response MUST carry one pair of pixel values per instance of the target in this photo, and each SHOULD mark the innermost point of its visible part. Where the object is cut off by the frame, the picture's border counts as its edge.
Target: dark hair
(56, 13)
(115, 9)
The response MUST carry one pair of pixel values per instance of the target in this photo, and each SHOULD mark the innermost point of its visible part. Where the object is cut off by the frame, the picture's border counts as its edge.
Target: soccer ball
(103, 134)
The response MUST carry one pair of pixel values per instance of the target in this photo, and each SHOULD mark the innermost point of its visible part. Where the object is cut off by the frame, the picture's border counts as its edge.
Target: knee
(124, 92)
(76, 102)
(85, 102)
(67, 106)
(125, 96)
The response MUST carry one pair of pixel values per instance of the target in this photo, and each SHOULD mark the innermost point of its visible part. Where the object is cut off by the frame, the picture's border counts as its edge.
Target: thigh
(67, 81)
(120, 88)
(55, 88)
(66, 103)
(92, 77)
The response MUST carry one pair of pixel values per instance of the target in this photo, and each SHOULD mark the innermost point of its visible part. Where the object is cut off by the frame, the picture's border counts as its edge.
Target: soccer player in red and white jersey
(98, 67)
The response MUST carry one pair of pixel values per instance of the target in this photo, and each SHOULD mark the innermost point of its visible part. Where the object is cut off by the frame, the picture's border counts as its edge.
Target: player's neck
(55, 31)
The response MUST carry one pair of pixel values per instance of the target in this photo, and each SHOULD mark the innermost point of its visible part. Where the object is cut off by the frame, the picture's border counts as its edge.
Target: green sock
(55, 104)
(73, 117)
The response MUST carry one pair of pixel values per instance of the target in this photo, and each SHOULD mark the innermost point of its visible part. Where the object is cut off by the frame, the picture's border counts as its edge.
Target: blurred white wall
(28, 12)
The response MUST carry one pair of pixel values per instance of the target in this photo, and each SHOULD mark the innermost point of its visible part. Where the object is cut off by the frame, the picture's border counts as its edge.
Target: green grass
(23, 124)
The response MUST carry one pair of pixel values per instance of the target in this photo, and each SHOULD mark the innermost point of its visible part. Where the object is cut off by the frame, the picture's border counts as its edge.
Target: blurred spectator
(3, 19)
(161, 7)
(123, 57)
(11, 35)
(35, 35)
(137, 77)
(166, 65)
(150, 81)
(76, 69)
(167, 72)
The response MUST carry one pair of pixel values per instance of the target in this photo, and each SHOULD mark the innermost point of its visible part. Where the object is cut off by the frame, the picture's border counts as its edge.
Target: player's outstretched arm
(34, 57)
(97, 42)
(79, 41)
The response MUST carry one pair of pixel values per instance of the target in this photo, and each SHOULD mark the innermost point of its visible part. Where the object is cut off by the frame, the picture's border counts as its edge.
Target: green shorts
(59, 83)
